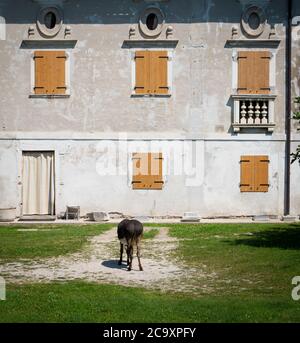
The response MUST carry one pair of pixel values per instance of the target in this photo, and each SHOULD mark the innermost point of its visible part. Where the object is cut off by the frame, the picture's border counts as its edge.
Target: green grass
(82, 302)
(256, 259)
(49, 240)
(150, 234)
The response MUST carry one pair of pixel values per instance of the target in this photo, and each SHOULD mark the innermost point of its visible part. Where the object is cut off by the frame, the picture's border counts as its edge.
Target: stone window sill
(48, 96)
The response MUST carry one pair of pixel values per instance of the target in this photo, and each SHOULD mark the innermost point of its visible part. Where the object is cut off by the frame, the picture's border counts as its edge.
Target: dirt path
(97, 262)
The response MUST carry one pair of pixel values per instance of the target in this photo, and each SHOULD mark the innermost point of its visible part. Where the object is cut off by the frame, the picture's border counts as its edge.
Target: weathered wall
(100, 106)
(101, 69)
(212, 188)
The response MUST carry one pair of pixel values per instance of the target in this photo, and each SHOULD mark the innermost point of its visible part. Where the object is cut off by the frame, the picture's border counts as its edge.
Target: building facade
(147, 108)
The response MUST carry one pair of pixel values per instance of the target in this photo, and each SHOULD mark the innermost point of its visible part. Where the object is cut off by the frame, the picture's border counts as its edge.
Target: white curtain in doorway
(38, 183)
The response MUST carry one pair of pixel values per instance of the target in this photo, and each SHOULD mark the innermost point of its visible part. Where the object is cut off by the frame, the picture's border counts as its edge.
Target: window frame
(254, 170)
(131, 169)
(67, 76)
(169, 73)
(272, 68)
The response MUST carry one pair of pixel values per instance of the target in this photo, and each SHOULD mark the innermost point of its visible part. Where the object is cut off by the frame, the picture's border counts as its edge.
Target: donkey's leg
(121, 253)
(128, 255)
(138, 255)
(130, 251)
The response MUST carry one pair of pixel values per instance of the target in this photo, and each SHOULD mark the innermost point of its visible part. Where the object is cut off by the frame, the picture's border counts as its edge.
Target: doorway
(38, 176)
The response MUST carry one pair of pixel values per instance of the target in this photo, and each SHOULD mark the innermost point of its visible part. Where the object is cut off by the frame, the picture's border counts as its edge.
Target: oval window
(254, 21)
(50, 20)
(152, 21)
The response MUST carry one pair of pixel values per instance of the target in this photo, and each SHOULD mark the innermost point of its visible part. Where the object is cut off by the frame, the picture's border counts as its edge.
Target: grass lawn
(253, 263)
(47, 241)
(82, 302)
(253, 259)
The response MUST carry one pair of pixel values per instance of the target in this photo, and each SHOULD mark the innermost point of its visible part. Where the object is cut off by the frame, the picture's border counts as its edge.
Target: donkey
(130, 233)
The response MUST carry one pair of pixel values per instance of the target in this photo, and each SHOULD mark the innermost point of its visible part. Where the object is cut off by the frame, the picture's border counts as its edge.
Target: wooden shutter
(263, 72)
(147, 171)
(41, 72)
(50, 72)
(151, 72)
(159, 72)
(253, 72)
(244, 61)
(142, 72)
(247, 174)
(59, 72)
(254, 174)
(156, 160)
(261, 167)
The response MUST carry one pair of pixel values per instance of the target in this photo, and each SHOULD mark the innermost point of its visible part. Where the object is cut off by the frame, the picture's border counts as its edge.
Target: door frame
(20, 176)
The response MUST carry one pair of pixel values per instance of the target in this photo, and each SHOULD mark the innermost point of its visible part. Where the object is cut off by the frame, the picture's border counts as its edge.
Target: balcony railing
(253, 111)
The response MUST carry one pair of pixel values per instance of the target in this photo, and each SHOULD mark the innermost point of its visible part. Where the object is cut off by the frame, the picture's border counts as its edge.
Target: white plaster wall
(216, 192)
(8, 174)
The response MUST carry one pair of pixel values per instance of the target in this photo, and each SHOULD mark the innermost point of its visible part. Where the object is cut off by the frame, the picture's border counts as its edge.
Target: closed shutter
(142, 72)
(151, 72)
(140, 170)
(254, 174)
(59, 73)
(156, 170)
(41, 73)
(50, 72)
(244, 62)
(261, 173)
(247, 174)
(263, 71)
(147, 171)
(253, 72)
(159, 72)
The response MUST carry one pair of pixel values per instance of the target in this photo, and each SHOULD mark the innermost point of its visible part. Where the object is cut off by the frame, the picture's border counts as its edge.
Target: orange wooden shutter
(247, 174)
(142, 73)
(41, 72)
(50, 72)
(263, 71)
(58, 76)
(261, 174)
(140, 170)
(147, 171)
(159, 72)
(253, 72)
(244, 61)
(156, 170)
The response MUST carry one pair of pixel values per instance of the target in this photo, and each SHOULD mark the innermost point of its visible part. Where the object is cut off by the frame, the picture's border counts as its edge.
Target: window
(151, 22)
(253, 21)
(253, 72)
(254, 90)
(50, 73)
(254, 174)
(147, 171)
(49, 21)
(151, 72)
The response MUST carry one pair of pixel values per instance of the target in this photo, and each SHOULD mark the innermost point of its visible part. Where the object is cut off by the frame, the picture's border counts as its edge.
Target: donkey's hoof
(128, 269)
(141, 269)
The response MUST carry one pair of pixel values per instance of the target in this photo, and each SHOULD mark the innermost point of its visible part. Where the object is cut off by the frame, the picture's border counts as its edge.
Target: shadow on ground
(282, 238)
(113, 264)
